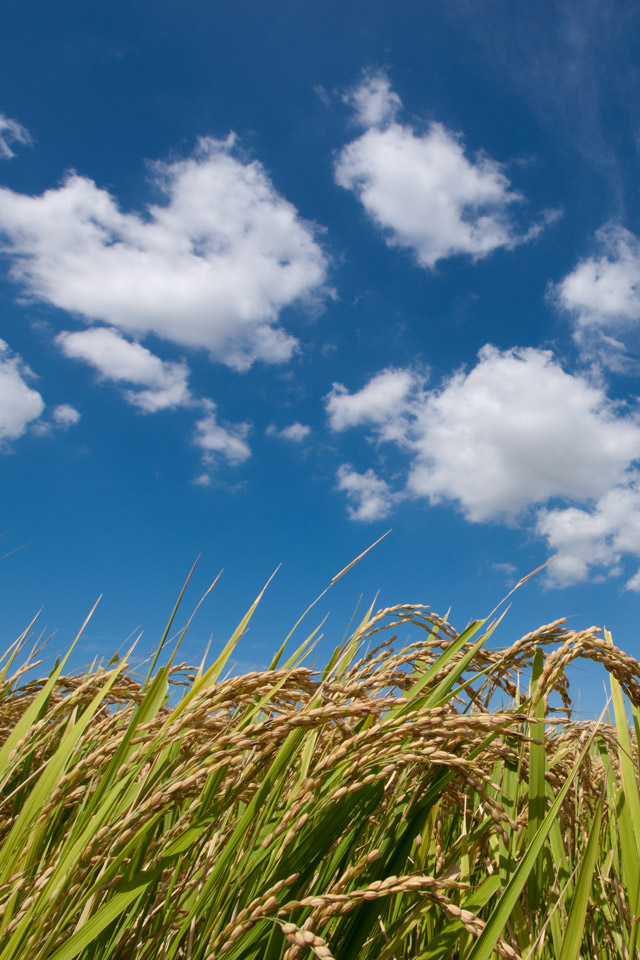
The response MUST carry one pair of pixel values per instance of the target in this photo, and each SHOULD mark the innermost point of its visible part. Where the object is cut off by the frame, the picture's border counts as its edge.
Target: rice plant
(422, 796)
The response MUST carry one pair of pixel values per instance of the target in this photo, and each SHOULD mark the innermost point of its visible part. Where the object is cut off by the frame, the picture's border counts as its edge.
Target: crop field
(424, 795)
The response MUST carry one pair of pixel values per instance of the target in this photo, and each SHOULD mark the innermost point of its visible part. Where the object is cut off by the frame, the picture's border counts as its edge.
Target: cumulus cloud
(11, 132)
(605, 290)
(64, 415)
(509, 440)
(370, 497)
(156, 385)
(592, 541)
(373, 100)
(516, 430)
(383, 402)
(512, 432)
(202, 480)
(420, 188)
(212, 266)
(20, 404)
(296, 432)
(602, 293)
(61, 418)
(161, 384)
(227, 441)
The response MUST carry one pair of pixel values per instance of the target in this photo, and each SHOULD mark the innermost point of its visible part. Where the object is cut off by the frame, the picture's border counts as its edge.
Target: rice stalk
(408, 800)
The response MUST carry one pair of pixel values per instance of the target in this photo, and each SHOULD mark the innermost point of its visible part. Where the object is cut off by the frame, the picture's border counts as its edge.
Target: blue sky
(277, 278)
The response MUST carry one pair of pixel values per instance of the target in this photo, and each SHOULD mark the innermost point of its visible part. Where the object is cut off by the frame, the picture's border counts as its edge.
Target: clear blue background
(109, 506)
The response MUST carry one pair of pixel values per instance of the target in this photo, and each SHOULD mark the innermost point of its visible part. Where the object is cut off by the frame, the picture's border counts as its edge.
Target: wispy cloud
(11, 132)
(574, 64)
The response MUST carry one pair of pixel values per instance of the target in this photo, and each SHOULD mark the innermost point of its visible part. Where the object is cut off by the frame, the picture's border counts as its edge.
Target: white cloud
(515, 431)
(210, 267)
(227, 441)
(20, 404)
(64, 415)
(373, 101)
(296, 432)
(602, 294)
(384, 401)
(592, 542)
(370, 497)
(202, 480)
(11, 132)
(159, 385)
(512, 432)
(164, 382)
(421, 189)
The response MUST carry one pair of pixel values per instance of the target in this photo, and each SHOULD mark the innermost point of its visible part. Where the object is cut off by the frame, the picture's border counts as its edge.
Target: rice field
(424, 795)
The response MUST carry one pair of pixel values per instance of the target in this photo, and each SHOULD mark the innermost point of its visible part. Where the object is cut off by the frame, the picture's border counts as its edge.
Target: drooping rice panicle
(419, 797)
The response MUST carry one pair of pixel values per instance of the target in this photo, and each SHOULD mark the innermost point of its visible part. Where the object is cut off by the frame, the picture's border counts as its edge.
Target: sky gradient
(277, 278)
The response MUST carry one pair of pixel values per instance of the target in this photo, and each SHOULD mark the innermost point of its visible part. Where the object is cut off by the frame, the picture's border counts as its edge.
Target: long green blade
(578, 914)
(486, 942)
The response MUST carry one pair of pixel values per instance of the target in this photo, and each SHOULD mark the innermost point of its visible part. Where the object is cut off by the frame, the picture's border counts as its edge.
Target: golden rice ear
(425, 794)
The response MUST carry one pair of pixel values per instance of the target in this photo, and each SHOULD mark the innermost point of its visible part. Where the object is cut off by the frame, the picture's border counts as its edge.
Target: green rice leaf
(572, 942)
